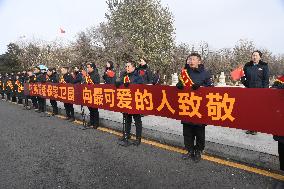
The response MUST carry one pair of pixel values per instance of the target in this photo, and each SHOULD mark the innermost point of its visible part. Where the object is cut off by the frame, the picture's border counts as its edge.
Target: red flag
(62, 30)
(237, 73)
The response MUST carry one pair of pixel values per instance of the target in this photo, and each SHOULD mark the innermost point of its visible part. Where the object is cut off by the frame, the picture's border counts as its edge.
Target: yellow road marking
(205, 157)
(263, 172)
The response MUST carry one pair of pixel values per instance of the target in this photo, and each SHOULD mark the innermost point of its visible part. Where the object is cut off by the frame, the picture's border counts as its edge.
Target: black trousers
(69, 109)
(34, 102)
(191, 133)
(14, 99)
(138, 124)
(94, 116)
(2, 94)
(41, 104)
(8, 96)
(281, 155)
(54, 106)
(20, 100)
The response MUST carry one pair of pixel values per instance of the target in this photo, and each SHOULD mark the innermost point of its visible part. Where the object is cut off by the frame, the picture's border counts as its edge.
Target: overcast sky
(221, 23)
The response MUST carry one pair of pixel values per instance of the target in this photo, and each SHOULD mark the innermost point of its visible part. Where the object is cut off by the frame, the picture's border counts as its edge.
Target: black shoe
(251, 132)
(123, 138)
(137, 142)
(38, 111)
(72, 119)
(188, 155)
(124, 143)
(197, 156)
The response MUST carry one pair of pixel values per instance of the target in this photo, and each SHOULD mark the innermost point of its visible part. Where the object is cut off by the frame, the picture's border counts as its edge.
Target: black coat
(134, 77)
(256, 76)
(78, 78)
(95, 77)
(68, 78)
(146, 74)
(108, 79)
(200, 77)
(54, 78)
(40, 78)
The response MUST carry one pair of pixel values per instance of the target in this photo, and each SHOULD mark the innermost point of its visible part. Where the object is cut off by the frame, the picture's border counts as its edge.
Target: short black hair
(194, 54)
(66, 67)
(51, 69)
(259, 52)
(131, 62)
(92, 65)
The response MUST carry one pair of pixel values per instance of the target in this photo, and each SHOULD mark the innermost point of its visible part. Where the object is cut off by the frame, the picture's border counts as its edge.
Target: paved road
(42, 152)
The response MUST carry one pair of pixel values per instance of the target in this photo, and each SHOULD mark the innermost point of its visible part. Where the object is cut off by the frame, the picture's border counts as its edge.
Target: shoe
(188, 155)
(72, 119)
(38, 111)
(67, 118)
(197, 156)
(123, 138)
(124, 143)
(137, 142)
(251, 132)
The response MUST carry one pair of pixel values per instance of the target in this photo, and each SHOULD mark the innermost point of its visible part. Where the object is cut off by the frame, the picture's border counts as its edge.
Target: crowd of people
(193, 74)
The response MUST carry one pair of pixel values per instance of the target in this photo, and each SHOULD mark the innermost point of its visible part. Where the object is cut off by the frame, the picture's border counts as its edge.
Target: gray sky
(221, 23)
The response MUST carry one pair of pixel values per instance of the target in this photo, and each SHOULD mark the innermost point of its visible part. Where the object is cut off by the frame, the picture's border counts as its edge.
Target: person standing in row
(109, 74)
(256, 75)
(144, 71)
(194, 75)
(66, 77)
(40, 78)
(77, 75)
(93, 77)
(53, 77)
(131, 76)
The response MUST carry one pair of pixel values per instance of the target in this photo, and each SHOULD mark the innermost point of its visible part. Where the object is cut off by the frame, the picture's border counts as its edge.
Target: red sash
(126, 79)
(185, 79)
(88, 79)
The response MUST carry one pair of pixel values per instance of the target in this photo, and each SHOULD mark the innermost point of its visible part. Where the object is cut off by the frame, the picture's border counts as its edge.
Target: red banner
(259, 110)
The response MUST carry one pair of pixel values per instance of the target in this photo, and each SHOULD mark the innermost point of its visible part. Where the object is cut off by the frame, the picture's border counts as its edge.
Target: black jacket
(200, 77)
(134, 77)
(68, 78)
(40, 78)
(95, 77)
(146, 74)
(78, 78)
(107, 78)
(54, 78)
(256, 76)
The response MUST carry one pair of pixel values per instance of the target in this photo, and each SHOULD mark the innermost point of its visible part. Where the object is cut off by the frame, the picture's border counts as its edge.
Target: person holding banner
(78, 77)
(109, 75)
(40, 78)
(194, 75)
(2, 86)
(93, 77)
(256, 75)
(131, 76)
(53, 77)
(67, 78)
(279, 84)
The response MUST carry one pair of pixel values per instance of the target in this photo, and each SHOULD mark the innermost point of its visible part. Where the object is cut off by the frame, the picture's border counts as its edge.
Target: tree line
(133, 29)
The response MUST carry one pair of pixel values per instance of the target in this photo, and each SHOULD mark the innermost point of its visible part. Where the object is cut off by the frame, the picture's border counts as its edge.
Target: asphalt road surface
(48, 152)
